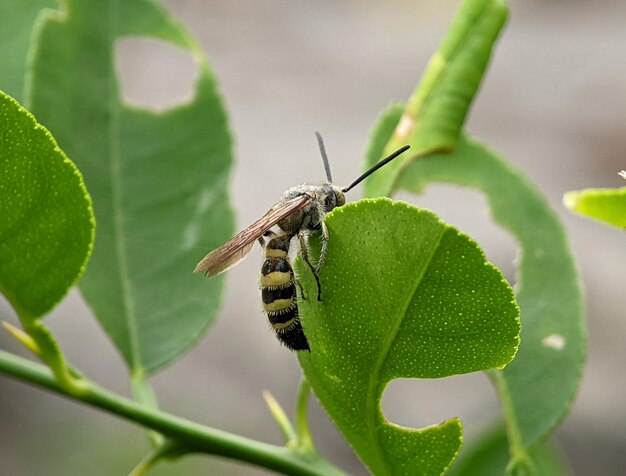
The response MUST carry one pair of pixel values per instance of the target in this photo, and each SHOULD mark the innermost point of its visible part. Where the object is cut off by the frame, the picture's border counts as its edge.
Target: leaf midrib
(451, 59)
(374, 380)
(116, 199)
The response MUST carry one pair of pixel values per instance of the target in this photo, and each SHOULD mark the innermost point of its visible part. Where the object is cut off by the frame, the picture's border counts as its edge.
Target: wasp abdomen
(274, 293)
(278, 292)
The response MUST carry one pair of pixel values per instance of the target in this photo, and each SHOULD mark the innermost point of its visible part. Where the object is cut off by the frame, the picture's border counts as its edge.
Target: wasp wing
(212, 267)
(234, 251)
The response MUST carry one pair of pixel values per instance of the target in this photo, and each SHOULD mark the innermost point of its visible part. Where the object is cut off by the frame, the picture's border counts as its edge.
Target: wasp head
(333, 197)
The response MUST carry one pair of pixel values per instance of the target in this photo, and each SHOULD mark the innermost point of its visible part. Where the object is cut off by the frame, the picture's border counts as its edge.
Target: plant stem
(305, 441)
(164, 450)
(145, 395)
(48, 350)
(191, 435)
(520, 457)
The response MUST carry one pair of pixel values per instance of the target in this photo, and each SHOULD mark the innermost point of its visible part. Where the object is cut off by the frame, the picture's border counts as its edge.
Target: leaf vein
(374, 381)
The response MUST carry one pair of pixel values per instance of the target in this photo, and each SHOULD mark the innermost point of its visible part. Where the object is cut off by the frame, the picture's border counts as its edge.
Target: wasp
(299, 212)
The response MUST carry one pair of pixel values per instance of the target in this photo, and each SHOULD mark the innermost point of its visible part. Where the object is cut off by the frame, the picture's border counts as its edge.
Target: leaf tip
(571, 200)
(23, 338)
(280, 417)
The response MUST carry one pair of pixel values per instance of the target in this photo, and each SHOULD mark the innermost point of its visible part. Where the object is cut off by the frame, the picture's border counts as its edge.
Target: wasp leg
(302, 295)
(304, 252)
(320, 262)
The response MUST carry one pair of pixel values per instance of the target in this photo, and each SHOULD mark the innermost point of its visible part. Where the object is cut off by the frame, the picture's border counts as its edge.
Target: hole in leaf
(417, 403)
(468, 210)
(154, 74)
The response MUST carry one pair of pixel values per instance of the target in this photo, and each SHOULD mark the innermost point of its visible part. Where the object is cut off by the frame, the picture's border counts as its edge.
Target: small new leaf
(604, 204)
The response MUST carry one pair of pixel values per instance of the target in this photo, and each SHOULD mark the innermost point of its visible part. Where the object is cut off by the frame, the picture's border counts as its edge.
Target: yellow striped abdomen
(278, 291)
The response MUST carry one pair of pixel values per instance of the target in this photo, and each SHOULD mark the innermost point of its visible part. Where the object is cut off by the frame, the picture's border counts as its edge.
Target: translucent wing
(234, 251)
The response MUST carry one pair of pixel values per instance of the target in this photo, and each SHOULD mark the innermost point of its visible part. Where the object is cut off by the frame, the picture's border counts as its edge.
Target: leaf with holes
(604, 204)
(404, 296)
(538, 388)
(47, 226)
(158, 181)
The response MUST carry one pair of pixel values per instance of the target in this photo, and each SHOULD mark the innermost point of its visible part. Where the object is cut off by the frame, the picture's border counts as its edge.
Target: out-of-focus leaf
(403, 296)
(542, 380)
(17, 21)
(46, 224)
(435, 112)
(158, 181)
(490, 457)
(604, 204)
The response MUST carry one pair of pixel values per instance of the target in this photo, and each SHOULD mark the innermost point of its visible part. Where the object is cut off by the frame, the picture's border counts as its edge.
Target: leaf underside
(158, 181)
(17, 23)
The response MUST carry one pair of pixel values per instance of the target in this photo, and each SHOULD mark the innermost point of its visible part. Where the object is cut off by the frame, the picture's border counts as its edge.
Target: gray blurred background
(553, 103)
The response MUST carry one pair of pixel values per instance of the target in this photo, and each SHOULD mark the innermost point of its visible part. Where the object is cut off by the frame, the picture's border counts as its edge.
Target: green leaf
(403, 296)
(543, 379)
(158, 181)
(605, 204)
(436, 111)
(47, 226)
(489, 457)
(539, 386)
(17, 22)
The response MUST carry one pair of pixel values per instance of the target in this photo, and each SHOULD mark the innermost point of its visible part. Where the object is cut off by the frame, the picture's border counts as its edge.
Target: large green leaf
(46, 224)
(436, 111)
(158, 181)
(17, 21)
(604, 204)
(404, 295)
(540, 384)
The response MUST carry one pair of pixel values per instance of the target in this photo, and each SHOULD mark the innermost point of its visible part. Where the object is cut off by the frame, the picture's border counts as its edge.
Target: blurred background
(553, 103)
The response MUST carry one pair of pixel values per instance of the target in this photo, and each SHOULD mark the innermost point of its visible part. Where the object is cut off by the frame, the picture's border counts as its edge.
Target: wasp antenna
(320, 142)
(376, 167)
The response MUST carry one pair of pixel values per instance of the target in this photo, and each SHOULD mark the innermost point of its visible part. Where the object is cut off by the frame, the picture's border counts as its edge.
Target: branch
(193, 436)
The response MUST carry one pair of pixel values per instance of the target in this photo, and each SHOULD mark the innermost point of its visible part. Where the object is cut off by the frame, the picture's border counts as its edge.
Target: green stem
(193, 436)
(50, 353)
(305, 441)
(164, 450)
(145, 395)
(520, 458)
